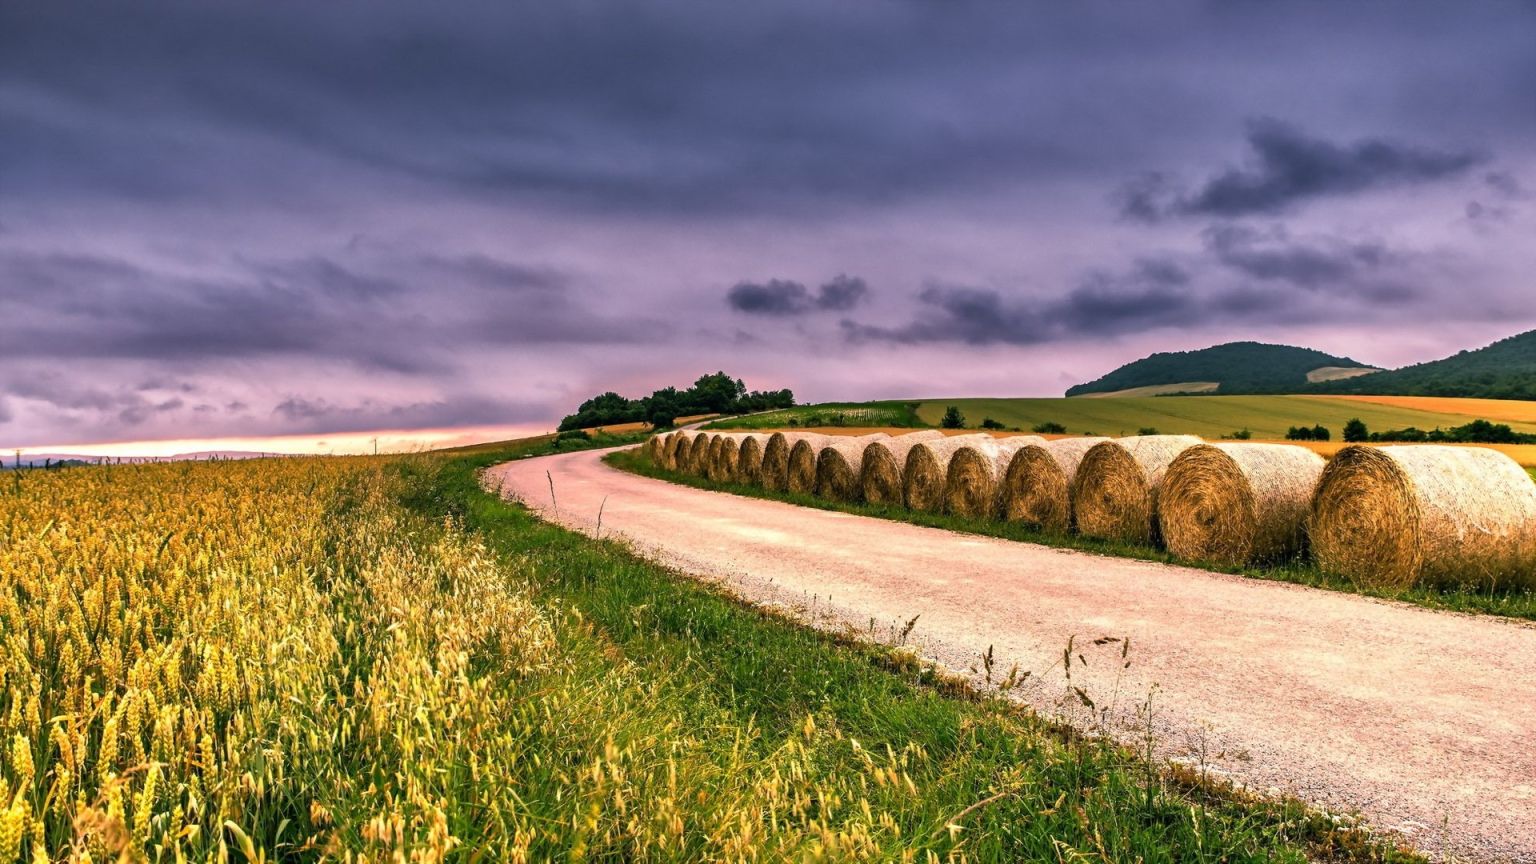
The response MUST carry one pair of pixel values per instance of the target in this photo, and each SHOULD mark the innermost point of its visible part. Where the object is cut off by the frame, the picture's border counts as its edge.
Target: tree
(989, 423)
(1298, 433)
(1355, 431)
(953, 419)
(1321, 433)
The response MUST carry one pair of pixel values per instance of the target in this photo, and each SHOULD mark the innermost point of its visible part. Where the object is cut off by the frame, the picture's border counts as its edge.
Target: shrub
(1147, 430)
(1049, 427)
(989, 423)
(953, 419)
(1355, 431)
(1239, 435)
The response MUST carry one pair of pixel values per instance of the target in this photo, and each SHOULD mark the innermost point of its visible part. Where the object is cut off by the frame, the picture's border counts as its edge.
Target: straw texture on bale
(681, 445)
(773, 471)
(1114, 496)
(838, 464)
(1425, 514)
(712, 461)
(927, 467)
(1230, 504)
(726, 458)
(801, 476)
(698, 455)
(1037, 485)
(881, 466)
(973, 478)
(749, 459)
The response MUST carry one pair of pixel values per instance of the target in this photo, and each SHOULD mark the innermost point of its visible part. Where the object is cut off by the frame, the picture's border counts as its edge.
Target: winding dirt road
(1423, 722)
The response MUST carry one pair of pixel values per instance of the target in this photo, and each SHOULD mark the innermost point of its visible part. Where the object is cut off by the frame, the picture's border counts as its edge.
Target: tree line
(717, 393)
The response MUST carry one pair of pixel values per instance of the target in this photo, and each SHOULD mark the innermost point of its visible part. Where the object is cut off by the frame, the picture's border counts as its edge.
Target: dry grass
(882, 463)
(839, 464)
(926, 470)
(1231, 504)
(800, 475)
(1037, 485)
(1114, 496)
(1497, 410)
(774, 473)
(974, 476)
(749, 459)
(1399, 516)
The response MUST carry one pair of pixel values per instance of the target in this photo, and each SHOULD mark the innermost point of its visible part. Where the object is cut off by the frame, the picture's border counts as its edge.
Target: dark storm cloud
(1272, 255)
(1153, 293)
(1289, 168)
(71, 307)
(783, 297)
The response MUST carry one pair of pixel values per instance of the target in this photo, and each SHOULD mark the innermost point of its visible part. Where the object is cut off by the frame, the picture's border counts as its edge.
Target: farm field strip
(1207, 416)
(362, 658)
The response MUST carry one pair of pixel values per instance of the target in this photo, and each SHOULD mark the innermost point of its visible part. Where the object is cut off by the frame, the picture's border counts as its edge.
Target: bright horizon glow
(339, 444)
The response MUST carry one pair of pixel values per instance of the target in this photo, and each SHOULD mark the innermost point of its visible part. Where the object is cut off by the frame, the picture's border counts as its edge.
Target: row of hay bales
(1389, 516)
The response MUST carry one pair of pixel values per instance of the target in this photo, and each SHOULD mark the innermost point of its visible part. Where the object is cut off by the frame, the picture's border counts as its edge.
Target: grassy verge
(1512, 603)
(749, 736)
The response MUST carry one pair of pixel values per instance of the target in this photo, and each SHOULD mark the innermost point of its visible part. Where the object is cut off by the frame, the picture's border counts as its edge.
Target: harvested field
(927, 468)
(838, 466)
(1496, 410)
(1396, 516)
(882, 465)
(1114, 496)
(1234, 503)
(973, 477)
(1037, 485)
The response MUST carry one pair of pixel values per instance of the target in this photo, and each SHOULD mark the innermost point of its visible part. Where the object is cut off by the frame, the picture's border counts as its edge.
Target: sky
(317, 220)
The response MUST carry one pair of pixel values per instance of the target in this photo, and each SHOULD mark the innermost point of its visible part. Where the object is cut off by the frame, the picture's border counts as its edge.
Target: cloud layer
(264, 219)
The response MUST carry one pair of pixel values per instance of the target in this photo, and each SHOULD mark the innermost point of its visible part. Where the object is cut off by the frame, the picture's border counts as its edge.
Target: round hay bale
(927, 467)
(839, 463)
(801, 476)
(682, 443)
(698, 454)
(1230, 504)
(881, 466)
(1114, 496)
(749, 459)
(1036, 488)
(713, 466)
(1425, 514)
(973, 478)
(773, 471)
(725, 460)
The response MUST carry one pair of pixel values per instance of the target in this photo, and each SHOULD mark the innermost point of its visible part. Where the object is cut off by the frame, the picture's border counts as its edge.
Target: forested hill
(1238, 367)
(1504, 370)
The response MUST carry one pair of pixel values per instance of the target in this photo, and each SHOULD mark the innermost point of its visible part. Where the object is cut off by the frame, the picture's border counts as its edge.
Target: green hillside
(1239, 367)
(1504, 370)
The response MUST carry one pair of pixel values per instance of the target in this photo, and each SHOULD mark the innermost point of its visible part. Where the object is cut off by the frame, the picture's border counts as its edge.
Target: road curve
(1423, 722)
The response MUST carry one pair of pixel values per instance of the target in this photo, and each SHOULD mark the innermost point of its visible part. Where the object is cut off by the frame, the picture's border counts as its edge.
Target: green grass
(715, 707)
(1511, 603)
(1206, 416)
(880, 414)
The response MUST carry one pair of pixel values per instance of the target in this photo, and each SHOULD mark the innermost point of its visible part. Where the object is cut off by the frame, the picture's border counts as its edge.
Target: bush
(1355, 431)
(989, 423)
(1239, 435)
(953, 419)
(1321, 433)
(1049, 428)
(1147, 430)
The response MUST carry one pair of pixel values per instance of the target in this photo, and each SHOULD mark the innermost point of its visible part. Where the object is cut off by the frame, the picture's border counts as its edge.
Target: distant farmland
(1215, 416)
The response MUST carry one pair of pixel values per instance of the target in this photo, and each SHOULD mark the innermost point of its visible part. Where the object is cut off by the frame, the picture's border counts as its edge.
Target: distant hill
(1504, 370)
(1236, 367)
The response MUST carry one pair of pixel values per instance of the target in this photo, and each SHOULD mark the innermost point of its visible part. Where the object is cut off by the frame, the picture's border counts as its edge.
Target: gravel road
(1421, 722)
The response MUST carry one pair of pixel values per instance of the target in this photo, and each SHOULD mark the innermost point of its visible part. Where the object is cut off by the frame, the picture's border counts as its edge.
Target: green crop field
(1206, 416)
